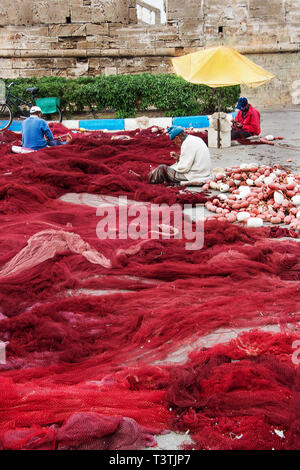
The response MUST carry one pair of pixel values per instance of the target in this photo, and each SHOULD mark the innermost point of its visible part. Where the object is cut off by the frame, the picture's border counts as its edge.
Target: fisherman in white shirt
(193, 163)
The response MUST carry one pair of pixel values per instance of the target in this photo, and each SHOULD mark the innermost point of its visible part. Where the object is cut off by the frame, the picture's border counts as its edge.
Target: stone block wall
(79, 37)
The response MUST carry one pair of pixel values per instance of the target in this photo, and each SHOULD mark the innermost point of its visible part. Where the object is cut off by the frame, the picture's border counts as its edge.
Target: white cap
(35, 109)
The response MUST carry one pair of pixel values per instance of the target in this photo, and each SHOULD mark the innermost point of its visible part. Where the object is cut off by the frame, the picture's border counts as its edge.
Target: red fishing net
(111, 341)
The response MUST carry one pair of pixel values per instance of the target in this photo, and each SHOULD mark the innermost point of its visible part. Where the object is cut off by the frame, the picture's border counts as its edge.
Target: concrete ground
(279, 124)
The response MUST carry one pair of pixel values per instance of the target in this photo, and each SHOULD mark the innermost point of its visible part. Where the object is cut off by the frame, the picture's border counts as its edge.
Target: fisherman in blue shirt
(36, 133)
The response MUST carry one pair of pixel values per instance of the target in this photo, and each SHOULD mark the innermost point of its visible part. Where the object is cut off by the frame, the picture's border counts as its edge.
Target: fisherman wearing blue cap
(192, 164)
(247, 121)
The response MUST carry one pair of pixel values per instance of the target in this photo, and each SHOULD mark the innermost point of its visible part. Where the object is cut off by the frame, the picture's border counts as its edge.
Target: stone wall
(79, 37)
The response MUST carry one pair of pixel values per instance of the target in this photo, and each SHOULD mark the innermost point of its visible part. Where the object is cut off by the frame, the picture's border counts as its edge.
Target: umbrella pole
(218, 127)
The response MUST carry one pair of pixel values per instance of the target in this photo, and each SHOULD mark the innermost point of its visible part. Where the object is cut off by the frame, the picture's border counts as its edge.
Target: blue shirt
(33, 131)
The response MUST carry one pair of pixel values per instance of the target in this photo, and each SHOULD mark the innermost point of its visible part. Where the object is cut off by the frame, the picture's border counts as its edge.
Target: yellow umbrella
(220, 66)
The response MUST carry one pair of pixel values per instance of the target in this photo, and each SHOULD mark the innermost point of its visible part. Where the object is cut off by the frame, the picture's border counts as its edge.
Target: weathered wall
(79, 37)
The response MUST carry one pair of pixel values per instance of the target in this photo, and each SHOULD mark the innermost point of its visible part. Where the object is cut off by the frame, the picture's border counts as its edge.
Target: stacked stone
(79, 37)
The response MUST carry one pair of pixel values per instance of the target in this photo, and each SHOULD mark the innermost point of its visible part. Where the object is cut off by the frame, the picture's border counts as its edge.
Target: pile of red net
(96, 163)
(112, 341)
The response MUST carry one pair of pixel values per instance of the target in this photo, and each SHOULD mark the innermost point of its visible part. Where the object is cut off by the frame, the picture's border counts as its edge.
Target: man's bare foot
(68, 138)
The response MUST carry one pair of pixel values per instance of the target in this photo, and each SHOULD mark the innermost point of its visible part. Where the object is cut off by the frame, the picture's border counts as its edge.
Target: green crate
(48, 105)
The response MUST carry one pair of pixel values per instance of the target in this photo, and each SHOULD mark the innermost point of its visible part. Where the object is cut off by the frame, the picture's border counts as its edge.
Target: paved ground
(282, 123)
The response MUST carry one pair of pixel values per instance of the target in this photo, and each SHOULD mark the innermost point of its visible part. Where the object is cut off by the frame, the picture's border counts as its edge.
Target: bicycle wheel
(6, 116)
(53, 117)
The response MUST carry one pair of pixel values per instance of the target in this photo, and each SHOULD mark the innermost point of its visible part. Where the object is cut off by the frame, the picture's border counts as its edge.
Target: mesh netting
(91, 326)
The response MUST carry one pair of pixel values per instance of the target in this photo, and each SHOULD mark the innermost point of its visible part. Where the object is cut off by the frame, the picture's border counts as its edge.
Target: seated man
(36, 133)
(247, 121)
(193, 164)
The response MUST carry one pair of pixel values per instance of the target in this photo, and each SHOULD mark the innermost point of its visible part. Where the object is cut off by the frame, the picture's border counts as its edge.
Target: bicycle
(17, 107)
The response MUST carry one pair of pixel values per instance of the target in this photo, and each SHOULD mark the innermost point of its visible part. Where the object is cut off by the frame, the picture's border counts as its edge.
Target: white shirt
(194, 161)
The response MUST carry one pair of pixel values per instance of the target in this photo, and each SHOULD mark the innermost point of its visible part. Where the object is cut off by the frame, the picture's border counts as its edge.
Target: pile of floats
(253, 194)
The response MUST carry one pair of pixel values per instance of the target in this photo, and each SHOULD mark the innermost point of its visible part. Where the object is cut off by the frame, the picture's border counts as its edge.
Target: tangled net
(110, 342)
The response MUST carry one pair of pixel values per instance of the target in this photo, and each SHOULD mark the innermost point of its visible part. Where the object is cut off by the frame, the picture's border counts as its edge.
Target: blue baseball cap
(173, 131)
(242, 102)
